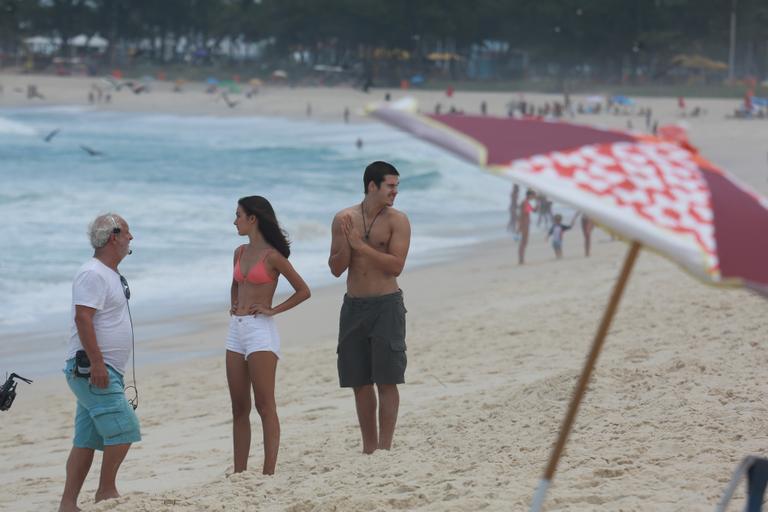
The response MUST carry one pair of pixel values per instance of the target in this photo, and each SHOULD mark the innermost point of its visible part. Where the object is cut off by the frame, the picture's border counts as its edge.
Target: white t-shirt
(98, 286)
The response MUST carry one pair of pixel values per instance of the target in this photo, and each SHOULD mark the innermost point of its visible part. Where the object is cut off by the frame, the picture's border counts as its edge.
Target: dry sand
(678, 397)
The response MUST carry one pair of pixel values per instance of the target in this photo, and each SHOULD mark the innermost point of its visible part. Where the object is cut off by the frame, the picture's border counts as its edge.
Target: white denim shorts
(248, 334)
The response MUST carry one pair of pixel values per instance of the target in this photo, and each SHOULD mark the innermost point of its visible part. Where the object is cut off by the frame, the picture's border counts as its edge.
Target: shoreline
(169, 333)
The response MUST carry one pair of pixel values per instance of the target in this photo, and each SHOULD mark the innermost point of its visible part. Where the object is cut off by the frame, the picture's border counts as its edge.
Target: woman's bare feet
(68, 507)
(106, 495)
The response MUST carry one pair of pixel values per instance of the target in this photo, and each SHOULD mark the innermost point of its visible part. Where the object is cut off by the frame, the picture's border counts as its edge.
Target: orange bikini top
(257, 274)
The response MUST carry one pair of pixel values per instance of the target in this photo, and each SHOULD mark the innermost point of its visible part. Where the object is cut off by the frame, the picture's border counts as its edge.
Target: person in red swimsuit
(524, 222)
(253, 344)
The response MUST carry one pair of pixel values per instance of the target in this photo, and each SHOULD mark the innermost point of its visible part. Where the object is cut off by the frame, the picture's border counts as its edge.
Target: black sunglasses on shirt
(126, 289)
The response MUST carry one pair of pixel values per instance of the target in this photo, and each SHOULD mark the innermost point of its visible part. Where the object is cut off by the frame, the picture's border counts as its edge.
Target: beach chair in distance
(756, 470)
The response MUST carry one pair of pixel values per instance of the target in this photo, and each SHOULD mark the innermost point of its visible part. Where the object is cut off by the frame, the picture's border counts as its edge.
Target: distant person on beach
(33, 93)
(253, 343)
(513, 199)
(556, 232)
(524, 223)
(370, 241)
(97, 354)
(228, 101)
(544, 211)
(586, 229)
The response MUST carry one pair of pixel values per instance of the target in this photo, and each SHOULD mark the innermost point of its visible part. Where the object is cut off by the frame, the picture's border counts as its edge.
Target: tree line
(607, 38)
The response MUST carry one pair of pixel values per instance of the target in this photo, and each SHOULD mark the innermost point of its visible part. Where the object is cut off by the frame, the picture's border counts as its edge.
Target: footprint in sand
(608, 472)
(326, 408)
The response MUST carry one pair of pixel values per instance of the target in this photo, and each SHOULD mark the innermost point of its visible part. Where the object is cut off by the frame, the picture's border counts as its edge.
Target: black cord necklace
(367, 230)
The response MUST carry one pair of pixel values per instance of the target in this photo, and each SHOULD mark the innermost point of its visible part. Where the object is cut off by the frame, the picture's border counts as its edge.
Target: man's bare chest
(376, 234)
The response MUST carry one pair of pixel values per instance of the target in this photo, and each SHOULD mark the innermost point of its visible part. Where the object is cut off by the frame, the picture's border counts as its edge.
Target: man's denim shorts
(104, 417)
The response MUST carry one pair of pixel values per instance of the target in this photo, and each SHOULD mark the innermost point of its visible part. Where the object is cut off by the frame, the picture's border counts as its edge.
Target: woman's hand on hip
(260, 309)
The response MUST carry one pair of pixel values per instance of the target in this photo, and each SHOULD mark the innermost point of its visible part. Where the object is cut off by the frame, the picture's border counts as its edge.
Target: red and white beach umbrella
(655, 191)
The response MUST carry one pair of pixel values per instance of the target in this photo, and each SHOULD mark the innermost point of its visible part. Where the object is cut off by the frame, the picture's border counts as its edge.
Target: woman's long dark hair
(268, 226)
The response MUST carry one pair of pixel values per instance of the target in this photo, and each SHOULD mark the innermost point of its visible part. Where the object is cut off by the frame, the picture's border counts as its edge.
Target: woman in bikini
(524, 223)
(253, 344)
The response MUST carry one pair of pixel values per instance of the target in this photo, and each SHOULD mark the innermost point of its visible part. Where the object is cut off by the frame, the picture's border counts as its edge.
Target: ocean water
(176, 179)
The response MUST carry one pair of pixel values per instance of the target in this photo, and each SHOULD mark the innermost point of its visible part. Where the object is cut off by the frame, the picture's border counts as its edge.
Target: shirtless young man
(371, 241)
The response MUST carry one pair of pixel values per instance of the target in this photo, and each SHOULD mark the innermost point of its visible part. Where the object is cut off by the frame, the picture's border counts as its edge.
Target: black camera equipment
(82, 364)
(8, 391)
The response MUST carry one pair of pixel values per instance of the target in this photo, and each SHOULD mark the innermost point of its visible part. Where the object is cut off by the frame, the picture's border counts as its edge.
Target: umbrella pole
(586, 373)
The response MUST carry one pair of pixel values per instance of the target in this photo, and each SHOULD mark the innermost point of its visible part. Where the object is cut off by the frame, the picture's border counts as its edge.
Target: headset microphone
(130, 251)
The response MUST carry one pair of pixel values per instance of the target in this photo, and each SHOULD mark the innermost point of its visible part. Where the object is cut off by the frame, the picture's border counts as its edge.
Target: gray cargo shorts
(372, 340)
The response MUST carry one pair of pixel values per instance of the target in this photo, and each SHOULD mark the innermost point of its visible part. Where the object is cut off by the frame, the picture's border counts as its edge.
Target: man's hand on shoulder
(354, 237)
(338, 260)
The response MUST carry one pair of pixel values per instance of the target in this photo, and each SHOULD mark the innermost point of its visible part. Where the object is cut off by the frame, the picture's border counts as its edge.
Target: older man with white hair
(97, 355)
